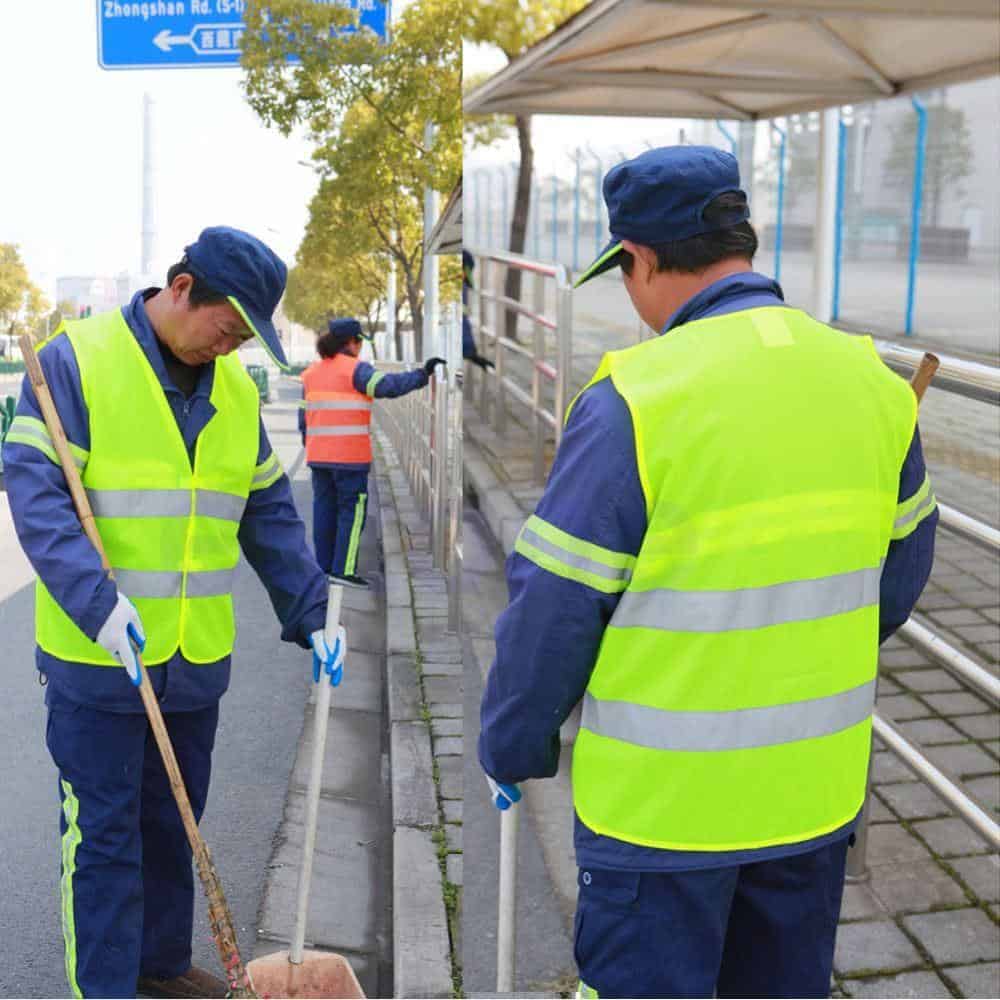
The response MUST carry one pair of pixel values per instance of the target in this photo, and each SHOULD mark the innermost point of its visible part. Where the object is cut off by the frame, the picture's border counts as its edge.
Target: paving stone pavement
(426, 711)
(926, 922)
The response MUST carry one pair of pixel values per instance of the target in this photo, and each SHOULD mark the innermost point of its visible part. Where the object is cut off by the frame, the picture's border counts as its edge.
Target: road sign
(170, 34)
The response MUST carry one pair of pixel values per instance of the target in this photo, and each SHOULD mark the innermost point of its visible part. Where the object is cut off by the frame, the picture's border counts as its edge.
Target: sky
(70, 172)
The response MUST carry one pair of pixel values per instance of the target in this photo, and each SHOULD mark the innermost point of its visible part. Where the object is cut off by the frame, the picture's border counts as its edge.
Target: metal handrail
(955, 662)
(964, 378)
(968, 527)
(488, 313)
(425, 430)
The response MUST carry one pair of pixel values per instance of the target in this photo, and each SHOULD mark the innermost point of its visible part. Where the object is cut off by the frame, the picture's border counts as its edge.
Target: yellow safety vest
(730, 705)
(170, 531)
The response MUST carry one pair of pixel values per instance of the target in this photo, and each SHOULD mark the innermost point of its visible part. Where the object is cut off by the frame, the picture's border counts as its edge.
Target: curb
(423, 956)
(501, 511)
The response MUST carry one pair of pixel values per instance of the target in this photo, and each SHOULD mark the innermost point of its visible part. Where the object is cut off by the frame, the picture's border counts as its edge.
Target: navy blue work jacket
(271, 535)
(548, 637)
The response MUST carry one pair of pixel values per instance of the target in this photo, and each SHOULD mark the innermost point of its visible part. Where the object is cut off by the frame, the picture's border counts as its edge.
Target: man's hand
(328, 654)
(504, 796)
(431, 363)
(122, 634)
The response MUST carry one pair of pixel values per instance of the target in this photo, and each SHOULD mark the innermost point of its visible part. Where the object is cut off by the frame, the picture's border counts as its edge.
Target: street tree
(365, 105)
(513, 26)
(948, 156)
(22, 304)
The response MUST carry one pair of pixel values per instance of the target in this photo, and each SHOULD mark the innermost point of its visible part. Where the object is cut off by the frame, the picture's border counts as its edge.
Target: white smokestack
(148, 223)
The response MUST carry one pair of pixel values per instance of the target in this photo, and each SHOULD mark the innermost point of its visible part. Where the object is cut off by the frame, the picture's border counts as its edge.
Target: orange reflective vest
(338, 417)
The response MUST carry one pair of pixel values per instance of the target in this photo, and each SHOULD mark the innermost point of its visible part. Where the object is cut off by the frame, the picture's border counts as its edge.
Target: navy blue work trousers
(755, 930)
(340, 506)
(127, 884)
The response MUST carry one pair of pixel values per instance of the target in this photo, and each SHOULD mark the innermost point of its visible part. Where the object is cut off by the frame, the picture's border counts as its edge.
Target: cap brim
(608, 258)
(263, 329)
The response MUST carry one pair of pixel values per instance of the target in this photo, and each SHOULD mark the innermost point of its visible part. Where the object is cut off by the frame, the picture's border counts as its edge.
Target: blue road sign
(165, 34)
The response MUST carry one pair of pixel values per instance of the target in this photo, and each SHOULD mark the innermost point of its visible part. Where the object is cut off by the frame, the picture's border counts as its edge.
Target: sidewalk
(349, 903)
(926, 922)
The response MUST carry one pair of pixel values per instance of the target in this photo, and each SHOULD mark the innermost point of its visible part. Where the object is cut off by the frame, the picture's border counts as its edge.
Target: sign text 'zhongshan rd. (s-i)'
(167, 34)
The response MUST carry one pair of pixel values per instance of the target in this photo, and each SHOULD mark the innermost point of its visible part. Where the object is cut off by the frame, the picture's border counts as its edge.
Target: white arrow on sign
(164, 41)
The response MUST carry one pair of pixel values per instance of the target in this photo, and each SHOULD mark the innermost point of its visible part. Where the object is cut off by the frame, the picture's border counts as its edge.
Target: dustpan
(298, 972)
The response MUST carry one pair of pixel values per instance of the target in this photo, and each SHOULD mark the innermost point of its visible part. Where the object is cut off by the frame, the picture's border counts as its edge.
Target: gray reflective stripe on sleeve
(329, 404)
(353, 430)
(925, 506)
(740, 729)
(754, 607)
(148, 583)
(20, 428)
(266, 470)
(623, 574)
(211, 583)
(225, 506)
(140, 503)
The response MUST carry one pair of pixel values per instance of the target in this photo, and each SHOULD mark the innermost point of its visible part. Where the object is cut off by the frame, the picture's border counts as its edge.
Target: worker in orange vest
(335, 423)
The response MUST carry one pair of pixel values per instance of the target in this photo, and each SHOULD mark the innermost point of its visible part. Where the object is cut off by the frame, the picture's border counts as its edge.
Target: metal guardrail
(549, 353)
(426, 431)
(982, 383)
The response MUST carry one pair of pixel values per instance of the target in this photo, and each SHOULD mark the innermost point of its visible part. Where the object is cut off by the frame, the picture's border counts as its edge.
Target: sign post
(195, 34)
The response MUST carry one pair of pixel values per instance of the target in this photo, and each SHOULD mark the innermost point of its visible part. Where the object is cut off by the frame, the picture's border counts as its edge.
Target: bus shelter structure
(734, 59)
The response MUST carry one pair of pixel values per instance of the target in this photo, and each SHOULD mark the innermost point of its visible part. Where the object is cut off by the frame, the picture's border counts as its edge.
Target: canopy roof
(446, 236)
(744, 60)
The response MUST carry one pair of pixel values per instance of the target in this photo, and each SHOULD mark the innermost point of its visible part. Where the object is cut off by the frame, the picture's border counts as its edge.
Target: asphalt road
(259, 729)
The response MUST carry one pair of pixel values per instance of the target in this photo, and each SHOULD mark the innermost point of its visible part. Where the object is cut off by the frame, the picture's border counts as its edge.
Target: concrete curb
(503, 514)
(422, 948)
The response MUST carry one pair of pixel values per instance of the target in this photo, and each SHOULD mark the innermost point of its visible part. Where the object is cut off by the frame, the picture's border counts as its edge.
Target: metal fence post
(838, 226)
(439, 521)
(499, 317)
(576, 215)
(485, 273)
(538, 426)
(555, 219)
(564, 356)
(918, 194)
(779, 221)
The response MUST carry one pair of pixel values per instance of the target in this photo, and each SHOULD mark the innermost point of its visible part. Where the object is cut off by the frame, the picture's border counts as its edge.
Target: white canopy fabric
(744, 60)
(446, 236)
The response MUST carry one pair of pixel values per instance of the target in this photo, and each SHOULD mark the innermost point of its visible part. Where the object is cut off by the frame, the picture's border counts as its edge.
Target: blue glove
(328, 654)
(504, 796)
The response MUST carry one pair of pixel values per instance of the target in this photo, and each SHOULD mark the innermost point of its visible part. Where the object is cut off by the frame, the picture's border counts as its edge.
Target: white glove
(119, 632)
(328, 654)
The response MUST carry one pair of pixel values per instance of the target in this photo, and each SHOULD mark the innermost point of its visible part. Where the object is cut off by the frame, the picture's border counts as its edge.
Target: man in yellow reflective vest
(737, 515)
(164, 425)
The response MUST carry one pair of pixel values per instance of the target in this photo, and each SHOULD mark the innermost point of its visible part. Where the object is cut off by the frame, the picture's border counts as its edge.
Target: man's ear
(644, 257)
(180, 287)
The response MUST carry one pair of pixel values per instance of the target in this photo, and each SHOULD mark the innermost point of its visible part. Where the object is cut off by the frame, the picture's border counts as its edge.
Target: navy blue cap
(345, 328)
(249, 273)
(659, 197)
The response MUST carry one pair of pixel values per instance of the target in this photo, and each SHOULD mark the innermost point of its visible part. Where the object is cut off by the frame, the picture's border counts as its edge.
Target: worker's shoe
(358, 582)
(193, 983)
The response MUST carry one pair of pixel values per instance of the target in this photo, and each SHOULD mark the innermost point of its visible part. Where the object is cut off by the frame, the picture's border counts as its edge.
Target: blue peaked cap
(345, 328)
(249, 273)
(660, 197)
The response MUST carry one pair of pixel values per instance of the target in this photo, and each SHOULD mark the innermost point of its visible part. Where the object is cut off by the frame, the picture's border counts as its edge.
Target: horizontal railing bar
(514, 306)
(968, 527)
(955, 662)
(964, 378)
(520, 263)
(939, 782)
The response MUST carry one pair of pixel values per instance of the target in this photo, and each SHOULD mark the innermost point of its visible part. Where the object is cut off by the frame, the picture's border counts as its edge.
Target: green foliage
(515, 25)
(22, 305)
(365, 105)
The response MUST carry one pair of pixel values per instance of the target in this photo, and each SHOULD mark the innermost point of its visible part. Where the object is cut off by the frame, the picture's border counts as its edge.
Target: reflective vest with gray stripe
(338, 417)
(730, 705)
(169, 530)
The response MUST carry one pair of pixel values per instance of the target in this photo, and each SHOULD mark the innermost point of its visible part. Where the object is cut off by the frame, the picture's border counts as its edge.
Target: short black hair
(201, 294)
(328, 344)
(699, 252)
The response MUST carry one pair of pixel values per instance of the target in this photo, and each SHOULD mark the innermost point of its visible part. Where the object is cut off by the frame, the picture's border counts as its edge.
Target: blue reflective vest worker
(335, 424)
(163, 424)
(737, 515)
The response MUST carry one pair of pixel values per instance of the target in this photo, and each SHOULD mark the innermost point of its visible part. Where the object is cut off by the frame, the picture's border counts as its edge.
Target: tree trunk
(519, 220)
